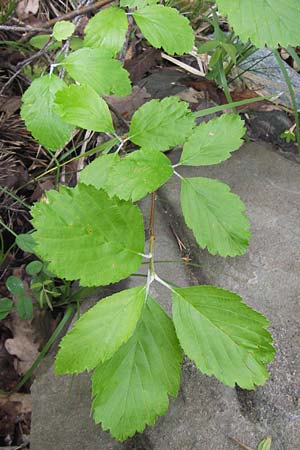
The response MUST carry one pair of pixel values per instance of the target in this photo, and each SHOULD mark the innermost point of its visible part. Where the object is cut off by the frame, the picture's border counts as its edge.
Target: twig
(237, 441)
(184, 66)
(25, 63)
(22, 29)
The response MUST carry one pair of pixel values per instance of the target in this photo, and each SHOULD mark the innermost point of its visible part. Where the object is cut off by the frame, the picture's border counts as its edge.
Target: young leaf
(15, 285)
(264, 22)
(131, 389)
(37, 112)
(265, 444)
(107, 29)
(165, 27)
(223, 335)
(63, 30)
(130, 178)
(100, 332)
(25, 242)
(99, 70)
(6, 305)
(213, 142)
(82, 106)
(88, 236)
(34, 267)
(215, 215)
(161, 124)
(24, 307)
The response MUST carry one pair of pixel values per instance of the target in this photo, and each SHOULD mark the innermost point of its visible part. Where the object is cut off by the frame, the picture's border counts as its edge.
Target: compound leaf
(37, 112)
(215, 216)
(107, 30)
(99, 333)
(88, 236)
(96, 67)
(82, 106)
(264, 22)
(130, 178)
(224, 336)
(161, 124)
(63, 30)
(131, 389)
(165, 27)
(213, 142)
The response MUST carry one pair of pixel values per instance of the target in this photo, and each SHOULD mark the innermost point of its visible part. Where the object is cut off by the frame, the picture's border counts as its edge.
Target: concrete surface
(206, 413)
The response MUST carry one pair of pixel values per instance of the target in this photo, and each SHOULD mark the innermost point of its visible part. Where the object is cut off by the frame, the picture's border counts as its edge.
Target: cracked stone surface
(206, 413)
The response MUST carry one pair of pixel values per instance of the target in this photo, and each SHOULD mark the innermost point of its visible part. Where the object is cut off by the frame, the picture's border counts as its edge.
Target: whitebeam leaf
(100, 332)
(82, 106)
(213, 141)
(264, 22)
(165, 27)
(224, 336)
(107, 30)
(130, 178)
(215, 215)
(161, 124)
(131, 389)
(88, 236)
(96, 67)
(37, 112)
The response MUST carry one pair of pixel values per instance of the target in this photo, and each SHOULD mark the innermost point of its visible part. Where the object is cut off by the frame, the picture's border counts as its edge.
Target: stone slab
(206, 413)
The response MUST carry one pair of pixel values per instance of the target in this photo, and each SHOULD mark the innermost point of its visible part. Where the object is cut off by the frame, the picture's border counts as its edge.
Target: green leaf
(208, 46)
(46, 126)
(161, 124)
(6, 305)
(107, 29)
(224, 336)
(215, 215)
(88, 236)
(213, 142)
(137, 3)
(41, 40)
(24, 307)
(82, 106)
(34, 267)
(231, 50)
(98, 172)
(15, 285)
(131, 389)
(100, 332)
(99, 70)
(165, 27)
(130, 178)
(26, 242)
(264, 22)
(265, 444)
(63, 30)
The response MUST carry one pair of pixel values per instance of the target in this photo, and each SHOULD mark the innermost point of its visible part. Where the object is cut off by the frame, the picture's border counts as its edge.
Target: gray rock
(206, 413)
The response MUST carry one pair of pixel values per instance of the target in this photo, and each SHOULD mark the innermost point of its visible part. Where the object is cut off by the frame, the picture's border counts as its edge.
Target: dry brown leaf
(126, 106)
(27, 7)
(23, 345)
(15, 410)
